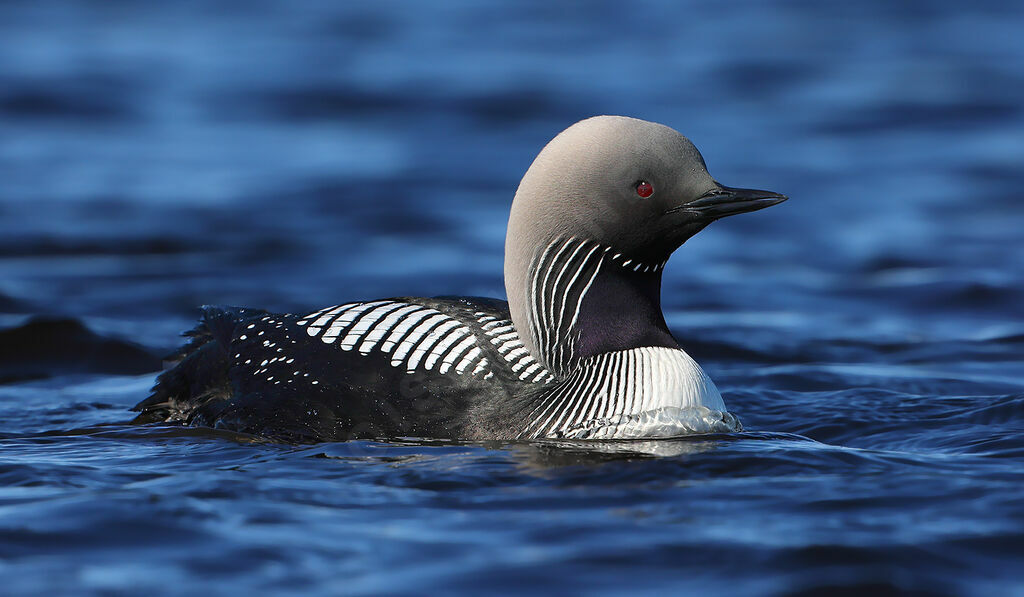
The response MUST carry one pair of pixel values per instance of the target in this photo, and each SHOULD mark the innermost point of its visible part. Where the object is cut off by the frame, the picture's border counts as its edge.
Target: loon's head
(638, 187)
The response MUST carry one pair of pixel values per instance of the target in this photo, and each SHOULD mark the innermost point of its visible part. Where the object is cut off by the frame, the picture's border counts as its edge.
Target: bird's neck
(583, 299)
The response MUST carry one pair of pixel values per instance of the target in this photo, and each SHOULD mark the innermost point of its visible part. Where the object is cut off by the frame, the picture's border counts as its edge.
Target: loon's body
(581, 350)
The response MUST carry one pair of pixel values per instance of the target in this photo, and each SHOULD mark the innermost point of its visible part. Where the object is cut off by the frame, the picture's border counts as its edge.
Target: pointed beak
(727, 201)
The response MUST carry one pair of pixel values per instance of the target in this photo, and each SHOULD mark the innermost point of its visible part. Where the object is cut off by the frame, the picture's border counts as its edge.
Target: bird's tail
(199, 375)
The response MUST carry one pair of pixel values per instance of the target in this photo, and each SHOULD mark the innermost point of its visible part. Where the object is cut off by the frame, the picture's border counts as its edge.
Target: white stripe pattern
(503, 335)
(608, 390)
(420, 337)
(559, 280)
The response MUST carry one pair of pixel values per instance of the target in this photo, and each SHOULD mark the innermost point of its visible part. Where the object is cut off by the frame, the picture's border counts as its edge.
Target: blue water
(869, 333)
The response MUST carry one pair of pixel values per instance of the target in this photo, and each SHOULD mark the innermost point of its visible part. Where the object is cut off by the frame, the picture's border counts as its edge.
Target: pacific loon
(580, 350)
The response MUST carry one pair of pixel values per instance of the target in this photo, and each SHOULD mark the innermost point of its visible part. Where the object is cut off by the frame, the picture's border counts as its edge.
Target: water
(868, 333)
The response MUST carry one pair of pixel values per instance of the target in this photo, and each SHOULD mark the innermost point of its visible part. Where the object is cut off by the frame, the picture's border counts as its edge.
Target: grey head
(596, 216)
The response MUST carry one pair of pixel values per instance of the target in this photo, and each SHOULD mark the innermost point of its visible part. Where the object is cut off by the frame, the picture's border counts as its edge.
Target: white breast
(642, 392)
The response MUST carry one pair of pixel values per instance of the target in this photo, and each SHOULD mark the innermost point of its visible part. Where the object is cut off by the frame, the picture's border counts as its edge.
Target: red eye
(644, 189)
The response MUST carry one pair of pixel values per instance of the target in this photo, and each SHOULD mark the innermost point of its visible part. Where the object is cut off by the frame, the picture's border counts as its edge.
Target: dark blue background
(869, 334)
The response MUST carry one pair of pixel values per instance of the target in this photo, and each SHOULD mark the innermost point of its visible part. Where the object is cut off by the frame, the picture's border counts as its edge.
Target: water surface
(868, 333)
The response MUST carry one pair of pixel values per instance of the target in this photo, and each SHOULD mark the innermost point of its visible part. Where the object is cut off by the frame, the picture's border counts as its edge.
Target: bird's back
(439, 367)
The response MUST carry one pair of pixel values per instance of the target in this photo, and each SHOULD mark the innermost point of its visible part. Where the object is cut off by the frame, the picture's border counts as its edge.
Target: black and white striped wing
(503, 336)
(427, 336)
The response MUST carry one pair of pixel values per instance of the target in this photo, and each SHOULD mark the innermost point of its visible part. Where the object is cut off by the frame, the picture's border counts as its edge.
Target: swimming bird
(580, 350)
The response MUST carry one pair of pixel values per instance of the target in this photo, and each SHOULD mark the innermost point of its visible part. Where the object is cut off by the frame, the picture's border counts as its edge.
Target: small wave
(82, 98)
(10, 304)
(45, 347)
